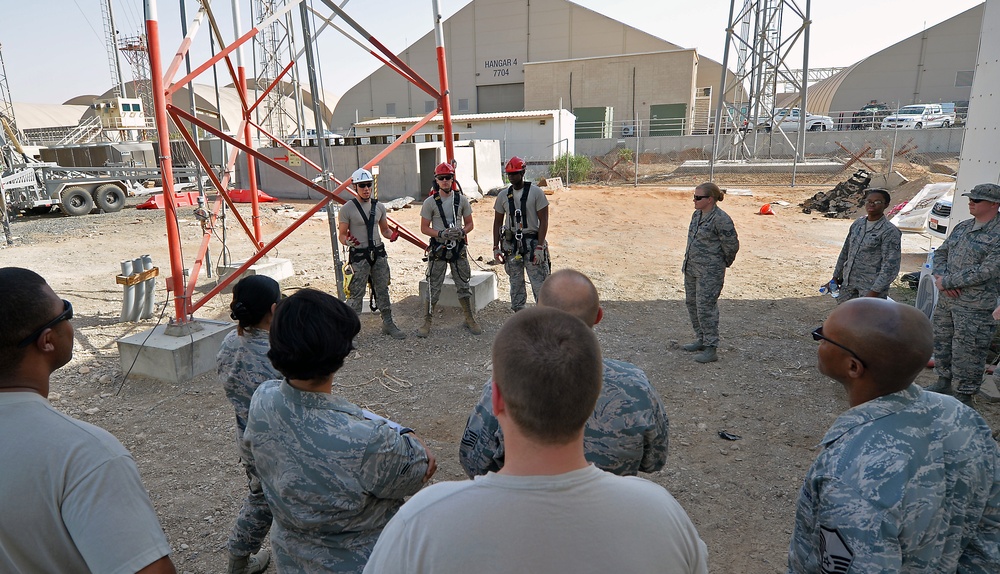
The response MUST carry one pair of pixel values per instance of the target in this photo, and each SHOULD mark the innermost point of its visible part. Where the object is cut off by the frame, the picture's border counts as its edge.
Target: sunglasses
(66, 315)
(976, 200)
(818, 336)
(701, 197)
(876, 202)
(365, 184)
(443, 177)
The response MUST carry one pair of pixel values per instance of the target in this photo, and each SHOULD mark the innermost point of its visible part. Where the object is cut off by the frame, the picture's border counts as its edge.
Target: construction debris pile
(841, 201)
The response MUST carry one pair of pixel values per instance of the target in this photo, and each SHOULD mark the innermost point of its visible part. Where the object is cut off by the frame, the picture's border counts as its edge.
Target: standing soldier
(358, 218)
(446, 217)
(869, 261)
(967, 274)
(520, 243)
(711, 248)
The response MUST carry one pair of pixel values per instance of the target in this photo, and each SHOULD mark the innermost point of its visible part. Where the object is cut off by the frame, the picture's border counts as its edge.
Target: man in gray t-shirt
(358, 219)
(520, 225)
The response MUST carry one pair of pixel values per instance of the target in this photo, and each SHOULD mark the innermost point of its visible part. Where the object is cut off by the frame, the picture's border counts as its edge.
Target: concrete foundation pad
(273, 267)
(989, 392)
(483, 285)
(175, 359)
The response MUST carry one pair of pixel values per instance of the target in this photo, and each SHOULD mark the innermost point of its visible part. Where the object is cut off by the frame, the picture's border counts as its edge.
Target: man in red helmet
(520, 224)
(446, 217)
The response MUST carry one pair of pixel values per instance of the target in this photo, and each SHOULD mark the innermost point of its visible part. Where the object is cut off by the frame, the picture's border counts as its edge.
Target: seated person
(331, 477)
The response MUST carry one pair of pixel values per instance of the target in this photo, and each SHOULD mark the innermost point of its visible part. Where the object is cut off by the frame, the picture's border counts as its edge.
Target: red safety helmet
(444, 168)
(515, 165)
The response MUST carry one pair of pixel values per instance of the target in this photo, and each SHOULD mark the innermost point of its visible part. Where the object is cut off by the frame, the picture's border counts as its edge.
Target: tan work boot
(425, 329)
(470, 317)
(707, 355)
(253, 564)
(390, 328)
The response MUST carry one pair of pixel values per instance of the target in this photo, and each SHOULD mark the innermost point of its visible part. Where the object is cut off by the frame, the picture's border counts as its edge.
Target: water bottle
(832, 288)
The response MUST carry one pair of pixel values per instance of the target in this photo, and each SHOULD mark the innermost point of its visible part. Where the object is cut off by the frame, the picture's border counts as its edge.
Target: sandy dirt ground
(765, 388)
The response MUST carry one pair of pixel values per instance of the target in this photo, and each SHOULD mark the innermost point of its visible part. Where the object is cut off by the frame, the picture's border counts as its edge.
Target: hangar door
(500, 98)
(667, 119)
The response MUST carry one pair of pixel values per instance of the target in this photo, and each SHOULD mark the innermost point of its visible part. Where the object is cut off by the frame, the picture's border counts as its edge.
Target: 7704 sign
(500, 67)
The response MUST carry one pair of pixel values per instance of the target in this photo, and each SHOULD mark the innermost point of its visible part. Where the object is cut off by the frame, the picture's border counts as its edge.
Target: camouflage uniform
(518, 264)
(908, 482)
(626, 434)
(242, 366)
(332, 478)
(963, 328)
(869, 260)
(711, 247)
(461, 272)
(379, 271)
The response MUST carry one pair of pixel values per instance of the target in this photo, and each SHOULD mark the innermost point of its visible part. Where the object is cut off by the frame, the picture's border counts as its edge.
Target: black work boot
(693, 347)
(942, 386)
(707, 355)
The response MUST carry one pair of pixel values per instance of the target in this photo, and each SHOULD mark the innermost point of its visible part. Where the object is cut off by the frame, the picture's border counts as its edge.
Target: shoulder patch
(835, 555)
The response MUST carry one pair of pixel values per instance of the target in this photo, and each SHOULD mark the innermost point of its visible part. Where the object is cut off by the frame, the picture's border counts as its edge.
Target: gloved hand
(498, 255)
(538, 256)
(394, 235)
(452, 234)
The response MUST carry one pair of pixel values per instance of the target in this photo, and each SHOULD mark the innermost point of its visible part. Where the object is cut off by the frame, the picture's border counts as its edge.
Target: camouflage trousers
(516, 269)
(848, 292)
(461, 273)
(359, 283)
(962, 339)
(254, 519)
(701, 296)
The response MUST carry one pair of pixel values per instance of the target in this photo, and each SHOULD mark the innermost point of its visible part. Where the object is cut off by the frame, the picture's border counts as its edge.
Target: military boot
(253, 564)
(390, 328)
(425, 329)
(942, 386)
(693, 347)
(470, 317)
(707, 355)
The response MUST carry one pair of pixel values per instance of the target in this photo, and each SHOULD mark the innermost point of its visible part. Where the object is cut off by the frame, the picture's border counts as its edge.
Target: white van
(918, 116)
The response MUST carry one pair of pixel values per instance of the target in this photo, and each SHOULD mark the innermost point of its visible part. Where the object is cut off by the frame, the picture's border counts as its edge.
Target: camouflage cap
(987, 191)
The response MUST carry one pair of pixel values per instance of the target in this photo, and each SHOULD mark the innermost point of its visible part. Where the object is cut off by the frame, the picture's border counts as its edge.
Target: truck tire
(76, 201)
(919, 126)
(946, 124)
(109, 197)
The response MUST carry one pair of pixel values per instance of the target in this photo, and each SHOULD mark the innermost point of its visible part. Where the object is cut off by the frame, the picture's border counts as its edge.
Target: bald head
(893, 339)
(573, 292)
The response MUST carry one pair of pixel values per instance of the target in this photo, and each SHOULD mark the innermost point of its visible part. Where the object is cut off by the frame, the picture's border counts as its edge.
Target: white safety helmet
(362, 175)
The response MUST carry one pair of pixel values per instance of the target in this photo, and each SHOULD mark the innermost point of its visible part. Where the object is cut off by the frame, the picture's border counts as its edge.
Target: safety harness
(372, 252)
(524, 242)
(446, 250)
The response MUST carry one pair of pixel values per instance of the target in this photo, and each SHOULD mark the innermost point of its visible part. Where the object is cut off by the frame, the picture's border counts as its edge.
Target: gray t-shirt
(429, 210)
(70, 495)
(536, 202)
(356, 224)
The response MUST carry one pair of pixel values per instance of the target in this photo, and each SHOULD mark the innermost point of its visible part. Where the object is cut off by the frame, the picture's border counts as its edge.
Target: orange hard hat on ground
(766, 209)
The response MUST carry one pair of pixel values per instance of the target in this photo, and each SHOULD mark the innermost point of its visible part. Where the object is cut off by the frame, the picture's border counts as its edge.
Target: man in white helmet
(358, 219)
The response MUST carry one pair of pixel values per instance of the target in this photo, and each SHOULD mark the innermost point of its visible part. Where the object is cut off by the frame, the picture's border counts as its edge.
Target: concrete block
(273, 267)
(483, 285)
(174, 358)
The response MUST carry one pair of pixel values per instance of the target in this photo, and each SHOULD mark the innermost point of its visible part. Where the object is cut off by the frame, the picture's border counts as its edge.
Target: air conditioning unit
(628, 131)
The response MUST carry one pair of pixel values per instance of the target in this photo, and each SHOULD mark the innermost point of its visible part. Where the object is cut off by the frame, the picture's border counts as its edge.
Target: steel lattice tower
(272, 48)
(766, 38)
(111, 44)
(6, 103)
(136, 52)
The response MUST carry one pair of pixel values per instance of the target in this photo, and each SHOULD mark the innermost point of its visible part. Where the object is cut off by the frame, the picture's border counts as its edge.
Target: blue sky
(54, 49)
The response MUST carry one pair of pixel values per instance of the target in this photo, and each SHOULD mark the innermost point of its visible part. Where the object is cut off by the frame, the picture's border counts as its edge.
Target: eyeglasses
(976, 200)
(876, 202)
(443, 177)
(701, 197)
(365, 184)
(66, 315)
(818, 336)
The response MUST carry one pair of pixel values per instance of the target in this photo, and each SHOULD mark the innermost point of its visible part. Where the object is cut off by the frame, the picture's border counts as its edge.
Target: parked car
(940, 215)
(788, 121)
(918, 116)
(870, 117)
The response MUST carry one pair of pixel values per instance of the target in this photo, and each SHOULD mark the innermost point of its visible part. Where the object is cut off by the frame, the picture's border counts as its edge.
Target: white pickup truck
(919, 116)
